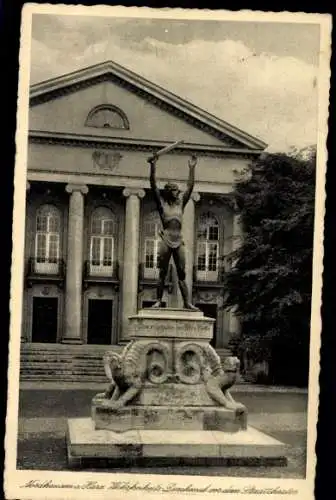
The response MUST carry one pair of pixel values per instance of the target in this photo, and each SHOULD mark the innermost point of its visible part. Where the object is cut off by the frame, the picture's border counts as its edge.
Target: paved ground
(43, 415)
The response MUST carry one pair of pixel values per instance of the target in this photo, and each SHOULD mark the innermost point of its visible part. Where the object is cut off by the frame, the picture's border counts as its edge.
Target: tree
(270, 283)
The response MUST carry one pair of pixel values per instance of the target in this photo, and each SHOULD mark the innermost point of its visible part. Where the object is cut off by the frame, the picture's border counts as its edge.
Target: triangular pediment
(62, 105)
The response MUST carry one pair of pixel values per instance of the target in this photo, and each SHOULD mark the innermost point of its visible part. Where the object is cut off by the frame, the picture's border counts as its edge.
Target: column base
(122, 343)
(71, 341)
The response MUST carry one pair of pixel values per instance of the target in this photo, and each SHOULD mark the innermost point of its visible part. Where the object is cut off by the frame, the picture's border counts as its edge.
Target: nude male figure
(170, 205)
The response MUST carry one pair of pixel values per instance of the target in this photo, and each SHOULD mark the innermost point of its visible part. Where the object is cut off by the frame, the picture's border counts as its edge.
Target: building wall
(64, 171)
(55, 162)
(55, 194)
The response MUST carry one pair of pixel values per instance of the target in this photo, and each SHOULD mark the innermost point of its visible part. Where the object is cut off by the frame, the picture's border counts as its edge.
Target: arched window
(107, 116)
(207, 248)
(47, 239)
(152, 226)
(102, 242)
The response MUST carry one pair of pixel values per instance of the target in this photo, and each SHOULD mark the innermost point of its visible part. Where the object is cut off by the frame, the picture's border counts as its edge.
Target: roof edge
(147, 144)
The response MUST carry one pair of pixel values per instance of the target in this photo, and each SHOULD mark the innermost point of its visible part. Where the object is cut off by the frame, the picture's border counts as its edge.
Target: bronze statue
(170, 205)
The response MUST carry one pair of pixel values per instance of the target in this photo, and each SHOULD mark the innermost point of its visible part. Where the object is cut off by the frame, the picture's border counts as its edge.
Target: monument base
(166, 418)
(149, 448)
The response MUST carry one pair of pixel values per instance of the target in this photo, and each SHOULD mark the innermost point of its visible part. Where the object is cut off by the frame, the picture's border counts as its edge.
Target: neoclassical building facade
(92, 231)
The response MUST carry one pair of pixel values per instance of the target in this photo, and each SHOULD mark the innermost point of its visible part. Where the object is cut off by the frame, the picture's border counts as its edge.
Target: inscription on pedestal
(198, 329)
(165, 417)
(174, 394)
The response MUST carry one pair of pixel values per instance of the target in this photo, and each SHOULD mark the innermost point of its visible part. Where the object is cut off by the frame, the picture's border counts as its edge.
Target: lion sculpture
(219, 381)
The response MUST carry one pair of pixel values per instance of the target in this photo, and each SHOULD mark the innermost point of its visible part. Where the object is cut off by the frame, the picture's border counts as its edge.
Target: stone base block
(165, 418)
(174, 394)
(170, 323)
(89, 447)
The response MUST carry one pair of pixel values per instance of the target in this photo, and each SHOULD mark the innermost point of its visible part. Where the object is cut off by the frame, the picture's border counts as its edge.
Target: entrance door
(210, 310)
(100, 321)
(44, 324)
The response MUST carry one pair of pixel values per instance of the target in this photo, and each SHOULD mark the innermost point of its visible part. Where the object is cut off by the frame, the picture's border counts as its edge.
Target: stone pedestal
(170, 399)
(89, 447)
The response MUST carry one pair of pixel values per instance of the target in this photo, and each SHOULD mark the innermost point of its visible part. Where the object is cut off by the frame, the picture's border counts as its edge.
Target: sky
(259, 76)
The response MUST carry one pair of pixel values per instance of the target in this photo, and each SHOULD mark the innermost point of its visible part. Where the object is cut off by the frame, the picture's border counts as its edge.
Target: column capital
(82, 188)
(140, 193)
(195, 196)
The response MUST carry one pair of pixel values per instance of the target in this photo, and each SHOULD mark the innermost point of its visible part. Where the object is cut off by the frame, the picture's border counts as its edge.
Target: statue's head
(171, 191)
(231, 364)
(113, 359)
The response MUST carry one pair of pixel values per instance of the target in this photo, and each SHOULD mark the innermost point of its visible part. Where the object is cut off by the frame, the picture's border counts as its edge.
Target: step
(83, 363)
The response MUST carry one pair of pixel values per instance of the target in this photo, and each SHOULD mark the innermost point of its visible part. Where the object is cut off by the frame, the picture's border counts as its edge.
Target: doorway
(100, 321)
(45, 321)
(210, 310)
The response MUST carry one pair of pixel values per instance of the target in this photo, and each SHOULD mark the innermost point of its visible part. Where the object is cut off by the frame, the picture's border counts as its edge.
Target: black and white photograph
(167, 253)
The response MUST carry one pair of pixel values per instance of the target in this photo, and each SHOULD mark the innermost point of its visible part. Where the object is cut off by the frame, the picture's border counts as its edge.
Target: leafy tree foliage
(271, 281)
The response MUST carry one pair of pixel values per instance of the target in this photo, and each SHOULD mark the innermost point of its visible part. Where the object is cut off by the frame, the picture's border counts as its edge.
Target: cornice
(98, 142)
(110, 71)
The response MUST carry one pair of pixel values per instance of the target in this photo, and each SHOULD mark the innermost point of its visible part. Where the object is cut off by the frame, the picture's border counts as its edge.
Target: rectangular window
(96, 226)
(202, 233)
(107, 252)
(41, 223)
(213, 233)
(41, 247)
(95, 250)
(53, 248)
(212, 256)
(201, 256)
(46, 253)
(151, 270)
(101, 256)
(207, 261)
(150, 229)
(53, 224)
(108, 227)
(149, 253)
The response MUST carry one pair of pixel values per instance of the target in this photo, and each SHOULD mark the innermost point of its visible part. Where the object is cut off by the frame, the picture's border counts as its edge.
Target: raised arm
(153, 184)
(191, 180)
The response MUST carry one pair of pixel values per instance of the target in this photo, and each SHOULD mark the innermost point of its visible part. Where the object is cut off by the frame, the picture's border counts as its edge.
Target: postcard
(167, 253)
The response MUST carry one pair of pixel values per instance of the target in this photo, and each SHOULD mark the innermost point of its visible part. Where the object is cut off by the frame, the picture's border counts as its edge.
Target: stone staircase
(68, 363)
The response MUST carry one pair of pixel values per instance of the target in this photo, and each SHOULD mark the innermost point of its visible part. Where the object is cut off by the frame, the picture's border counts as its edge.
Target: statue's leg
(179, 259)
(116, 394)
(163, 261)
(110, 390)
(215, 392)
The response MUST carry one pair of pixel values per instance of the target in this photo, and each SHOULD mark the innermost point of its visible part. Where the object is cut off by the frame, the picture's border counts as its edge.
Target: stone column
(74, 267)
(189, 241)
(131, 256)
(237, 236)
